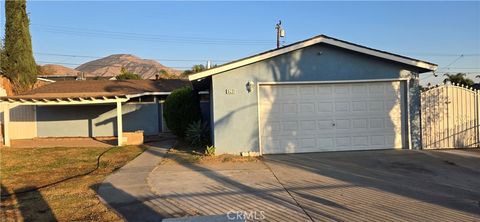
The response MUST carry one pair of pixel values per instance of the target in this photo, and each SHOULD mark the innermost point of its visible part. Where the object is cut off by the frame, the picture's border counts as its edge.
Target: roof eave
(425, 66)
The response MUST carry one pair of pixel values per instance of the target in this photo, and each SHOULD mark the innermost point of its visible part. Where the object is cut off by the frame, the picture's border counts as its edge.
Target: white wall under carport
(23, 124)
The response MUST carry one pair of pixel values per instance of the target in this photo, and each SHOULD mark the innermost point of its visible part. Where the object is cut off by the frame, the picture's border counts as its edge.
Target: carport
(62, 101)
(88, 109)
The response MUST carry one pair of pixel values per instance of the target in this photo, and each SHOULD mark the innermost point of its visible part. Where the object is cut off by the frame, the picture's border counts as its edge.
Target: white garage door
(331, 117)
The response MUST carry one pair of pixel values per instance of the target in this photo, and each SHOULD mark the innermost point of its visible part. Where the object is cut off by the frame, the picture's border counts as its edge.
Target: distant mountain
(52, 69)
(111, 65)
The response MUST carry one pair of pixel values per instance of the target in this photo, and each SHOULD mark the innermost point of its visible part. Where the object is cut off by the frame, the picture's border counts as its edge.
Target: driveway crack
(290, 194)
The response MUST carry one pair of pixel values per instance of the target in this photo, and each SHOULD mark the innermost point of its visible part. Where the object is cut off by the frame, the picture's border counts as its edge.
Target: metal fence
(450, 117)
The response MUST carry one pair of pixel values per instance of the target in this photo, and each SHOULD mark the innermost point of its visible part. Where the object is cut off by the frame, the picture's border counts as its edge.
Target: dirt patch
(182, 152)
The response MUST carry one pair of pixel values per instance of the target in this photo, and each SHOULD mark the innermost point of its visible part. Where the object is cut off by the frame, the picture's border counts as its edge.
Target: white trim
(148, 94)
(63, 102)
(319, 39)
(46, 80)
(160, 94)
(251, 60)
(383, 55)
(331, 82)
(259, 123)
(81, 100)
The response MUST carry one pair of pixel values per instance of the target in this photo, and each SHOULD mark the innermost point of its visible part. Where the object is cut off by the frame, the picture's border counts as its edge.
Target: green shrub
(210, 150)
(127, 76)
(181, 108)
(197, 133)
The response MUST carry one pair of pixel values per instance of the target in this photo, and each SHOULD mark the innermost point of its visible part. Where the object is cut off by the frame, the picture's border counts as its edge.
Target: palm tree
(458, 78)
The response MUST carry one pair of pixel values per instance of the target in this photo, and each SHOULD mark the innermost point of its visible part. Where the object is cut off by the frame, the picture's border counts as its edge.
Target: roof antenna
(280, 32)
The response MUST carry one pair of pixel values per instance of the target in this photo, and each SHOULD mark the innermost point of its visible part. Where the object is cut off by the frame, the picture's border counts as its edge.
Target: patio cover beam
(63, 101)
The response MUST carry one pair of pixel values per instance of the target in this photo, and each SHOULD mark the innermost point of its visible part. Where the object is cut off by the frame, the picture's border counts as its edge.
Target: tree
(19, 65)
(2, 58)
(459, 78)
(125, 75)
(163, 72)
(195, 69)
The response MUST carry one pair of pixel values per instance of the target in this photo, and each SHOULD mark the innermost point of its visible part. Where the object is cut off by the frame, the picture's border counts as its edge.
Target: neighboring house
(320, 94)
(57, 78)
(89, 108)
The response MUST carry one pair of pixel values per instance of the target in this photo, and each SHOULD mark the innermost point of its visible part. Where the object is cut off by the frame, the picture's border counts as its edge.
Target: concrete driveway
(383, 185)
(388, 185)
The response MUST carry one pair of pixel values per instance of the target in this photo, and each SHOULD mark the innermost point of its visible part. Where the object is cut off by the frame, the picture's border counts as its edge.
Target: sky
(180, 34)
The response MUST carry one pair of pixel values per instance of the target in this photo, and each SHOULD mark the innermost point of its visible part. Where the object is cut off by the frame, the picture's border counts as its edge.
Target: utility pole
(280, 32)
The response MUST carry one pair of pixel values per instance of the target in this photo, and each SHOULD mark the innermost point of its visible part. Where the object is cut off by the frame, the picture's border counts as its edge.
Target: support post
(6, 125)
(119, 124)
(414, 105)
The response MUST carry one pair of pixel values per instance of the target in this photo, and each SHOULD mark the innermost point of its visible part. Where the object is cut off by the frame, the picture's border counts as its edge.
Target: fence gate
(450, 117)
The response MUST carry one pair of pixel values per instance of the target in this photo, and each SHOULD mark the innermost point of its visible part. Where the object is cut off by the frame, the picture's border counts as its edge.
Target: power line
(434, 74)
(151, 35)
(147, 37)
(441, 54)
(453, 62)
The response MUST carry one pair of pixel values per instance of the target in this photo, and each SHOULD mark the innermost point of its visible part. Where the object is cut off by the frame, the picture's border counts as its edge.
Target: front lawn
(71, 200)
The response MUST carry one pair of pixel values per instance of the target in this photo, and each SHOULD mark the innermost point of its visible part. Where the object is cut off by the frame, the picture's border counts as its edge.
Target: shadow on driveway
(388, 184)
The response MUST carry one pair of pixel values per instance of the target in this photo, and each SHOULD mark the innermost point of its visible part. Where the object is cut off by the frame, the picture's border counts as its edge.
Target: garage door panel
(342, 107)
(307, 107)
(326, 90)
(328, 117)
(307, 91)
(325, 107)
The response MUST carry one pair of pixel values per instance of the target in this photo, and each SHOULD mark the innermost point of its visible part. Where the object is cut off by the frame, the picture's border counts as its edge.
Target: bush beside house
(181, 108)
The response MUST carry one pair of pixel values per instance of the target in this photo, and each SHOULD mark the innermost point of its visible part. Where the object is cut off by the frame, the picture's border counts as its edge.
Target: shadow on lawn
(32, 206)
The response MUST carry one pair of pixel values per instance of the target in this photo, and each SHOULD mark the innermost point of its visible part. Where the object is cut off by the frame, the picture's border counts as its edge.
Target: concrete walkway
(126, 191)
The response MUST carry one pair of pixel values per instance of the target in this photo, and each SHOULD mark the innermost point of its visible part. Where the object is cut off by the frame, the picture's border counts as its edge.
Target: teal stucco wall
(96, 120)
(234, 116)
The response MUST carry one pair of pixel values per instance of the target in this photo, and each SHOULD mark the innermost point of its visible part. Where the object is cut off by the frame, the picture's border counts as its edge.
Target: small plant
(197, 133)
(210, 150)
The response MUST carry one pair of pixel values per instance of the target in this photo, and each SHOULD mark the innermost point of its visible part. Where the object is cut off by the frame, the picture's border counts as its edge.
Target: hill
(111, 65)
(52, 69)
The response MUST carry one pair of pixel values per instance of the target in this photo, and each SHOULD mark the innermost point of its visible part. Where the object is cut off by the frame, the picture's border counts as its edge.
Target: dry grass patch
(182, 152)
(71, 200)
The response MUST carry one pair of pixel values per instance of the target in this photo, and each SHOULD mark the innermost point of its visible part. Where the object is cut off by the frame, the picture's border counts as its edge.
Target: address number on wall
(230, 91)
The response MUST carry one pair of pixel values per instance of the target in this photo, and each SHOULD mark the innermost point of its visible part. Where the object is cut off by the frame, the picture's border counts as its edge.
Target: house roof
(423, 65)
(97, 90)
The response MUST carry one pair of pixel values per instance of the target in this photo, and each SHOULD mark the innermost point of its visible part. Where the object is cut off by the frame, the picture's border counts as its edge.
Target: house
(320, 94)
(88, 108)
